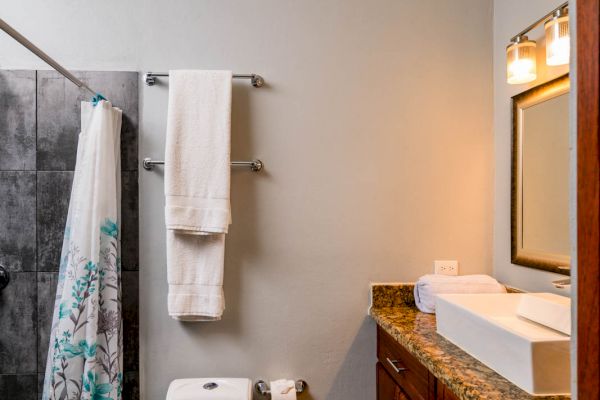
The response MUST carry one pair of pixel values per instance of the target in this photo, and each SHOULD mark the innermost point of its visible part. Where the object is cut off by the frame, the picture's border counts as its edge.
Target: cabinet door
(443, 393)
(387, 389)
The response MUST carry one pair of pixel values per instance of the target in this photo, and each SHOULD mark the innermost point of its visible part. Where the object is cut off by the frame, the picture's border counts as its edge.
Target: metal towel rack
(254, 165)
(255, 80)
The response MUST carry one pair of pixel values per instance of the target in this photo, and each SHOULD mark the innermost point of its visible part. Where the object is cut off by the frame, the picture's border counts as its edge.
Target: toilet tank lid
(210, 389)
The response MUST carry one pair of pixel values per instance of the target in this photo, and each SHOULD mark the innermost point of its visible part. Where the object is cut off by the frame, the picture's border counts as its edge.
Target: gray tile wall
(39, 126)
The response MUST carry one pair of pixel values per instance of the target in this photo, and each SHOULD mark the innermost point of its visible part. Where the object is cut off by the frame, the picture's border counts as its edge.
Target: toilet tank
(210, 389)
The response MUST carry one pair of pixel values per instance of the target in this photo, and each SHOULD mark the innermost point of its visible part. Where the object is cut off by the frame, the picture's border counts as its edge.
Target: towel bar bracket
(254, 165)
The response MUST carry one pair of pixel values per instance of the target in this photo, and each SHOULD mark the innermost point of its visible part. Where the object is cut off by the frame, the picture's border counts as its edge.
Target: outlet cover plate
(446, 267)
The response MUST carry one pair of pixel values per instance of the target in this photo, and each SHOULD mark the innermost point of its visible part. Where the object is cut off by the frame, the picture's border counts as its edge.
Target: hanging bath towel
(85, 358)
(197, 190)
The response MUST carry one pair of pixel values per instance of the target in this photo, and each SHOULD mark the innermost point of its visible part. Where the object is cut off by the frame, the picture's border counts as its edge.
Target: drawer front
(387, 388)
(412, 376)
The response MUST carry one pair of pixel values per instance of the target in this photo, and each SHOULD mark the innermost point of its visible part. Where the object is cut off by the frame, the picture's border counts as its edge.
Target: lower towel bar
(254, 165)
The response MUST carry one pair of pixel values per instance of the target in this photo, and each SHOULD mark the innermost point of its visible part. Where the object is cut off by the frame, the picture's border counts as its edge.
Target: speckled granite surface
(393, 309)
(392, 294)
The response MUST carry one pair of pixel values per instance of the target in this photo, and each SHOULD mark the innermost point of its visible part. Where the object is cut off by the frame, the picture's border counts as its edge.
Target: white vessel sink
(486, 326)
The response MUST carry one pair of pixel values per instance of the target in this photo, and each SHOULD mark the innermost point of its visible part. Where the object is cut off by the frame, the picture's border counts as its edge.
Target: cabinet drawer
(387, 388)
(412, 376)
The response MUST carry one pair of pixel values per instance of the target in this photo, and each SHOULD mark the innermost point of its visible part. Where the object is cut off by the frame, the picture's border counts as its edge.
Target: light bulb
(520, 61)
(558, 44)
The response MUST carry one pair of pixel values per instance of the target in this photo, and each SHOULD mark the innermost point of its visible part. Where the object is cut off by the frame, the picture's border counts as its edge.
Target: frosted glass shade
(520, 61)
(557, 40)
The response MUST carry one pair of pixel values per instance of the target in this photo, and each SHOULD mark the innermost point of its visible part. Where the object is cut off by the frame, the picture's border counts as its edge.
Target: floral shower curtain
(85, 358)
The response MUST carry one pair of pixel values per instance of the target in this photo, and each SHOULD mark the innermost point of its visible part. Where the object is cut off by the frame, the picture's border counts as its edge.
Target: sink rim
(555, 336)
(521, 361)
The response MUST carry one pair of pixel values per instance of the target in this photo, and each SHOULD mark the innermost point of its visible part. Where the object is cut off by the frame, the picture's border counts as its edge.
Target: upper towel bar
(254, 165)
(255, 80)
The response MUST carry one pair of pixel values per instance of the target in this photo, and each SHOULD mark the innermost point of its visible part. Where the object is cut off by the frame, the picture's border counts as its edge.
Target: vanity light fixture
(557, 38)
(521, 52)
(520, 61)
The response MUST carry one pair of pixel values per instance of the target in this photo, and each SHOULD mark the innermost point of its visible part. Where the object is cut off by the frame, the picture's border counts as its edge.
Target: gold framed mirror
(540, 177)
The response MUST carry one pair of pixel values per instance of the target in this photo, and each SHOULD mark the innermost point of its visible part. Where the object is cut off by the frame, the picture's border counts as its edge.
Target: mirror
(540, 177)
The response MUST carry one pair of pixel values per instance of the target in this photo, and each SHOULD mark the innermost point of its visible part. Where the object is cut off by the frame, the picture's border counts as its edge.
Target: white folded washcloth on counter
(429, 286)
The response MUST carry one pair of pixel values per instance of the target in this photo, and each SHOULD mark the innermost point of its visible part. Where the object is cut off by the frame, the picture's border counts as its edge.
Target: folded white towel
(195, 276)
(429, 286)
(197, 187)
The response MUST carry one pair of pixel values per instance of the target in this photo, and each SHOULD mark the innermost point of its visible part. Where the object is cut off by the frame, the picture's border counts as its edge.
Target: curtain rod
(38, 52)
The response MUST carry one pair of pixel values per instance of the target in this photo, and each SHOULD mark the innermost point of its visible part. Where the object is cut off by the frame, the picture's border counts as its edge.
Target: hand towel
(197, 187)
(429, 286)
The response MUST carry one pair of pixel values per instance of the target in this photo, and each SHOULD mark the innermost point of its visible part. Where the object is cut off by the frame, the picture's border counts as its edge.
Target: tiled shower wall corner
(39, 126)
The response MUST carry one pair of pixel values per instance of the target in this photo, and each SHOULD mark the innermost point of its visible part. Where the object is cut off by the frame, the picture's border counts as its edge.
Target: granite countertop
(394, 310)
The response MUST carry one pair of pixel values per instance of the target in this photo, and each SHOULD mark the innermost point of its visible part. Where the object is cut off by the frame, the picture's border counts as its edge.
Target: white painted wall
(510, 17)
(376, 131)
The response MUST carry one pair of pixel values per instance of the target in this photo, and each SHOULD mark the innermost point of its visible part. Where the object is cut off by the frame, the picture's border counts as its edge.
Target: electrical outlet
(446, 267)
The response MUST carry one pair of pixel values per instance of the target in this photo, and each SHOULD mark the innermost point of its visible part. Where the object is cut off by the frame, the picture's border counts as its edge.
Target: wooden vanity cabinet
(443, 393)
(400, 376)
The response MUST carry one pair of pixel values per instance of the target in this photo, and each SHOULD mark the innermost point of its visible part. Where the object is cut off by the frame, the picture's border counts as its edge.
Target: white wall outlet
(446, 267)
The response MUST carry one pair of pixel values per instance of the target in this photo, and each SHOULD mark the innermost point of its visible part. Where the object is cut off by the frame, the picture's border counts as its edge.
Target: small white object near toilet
(210, 389)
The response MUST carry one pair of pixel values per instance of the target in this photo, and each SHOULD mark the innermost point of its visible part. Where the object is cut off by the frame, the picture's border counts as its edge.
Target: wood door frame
(588, 205)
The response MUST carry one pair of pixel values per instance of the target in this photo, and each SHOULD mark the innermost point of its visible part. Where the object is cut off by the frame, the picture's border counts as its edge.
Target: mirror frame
(528, 258)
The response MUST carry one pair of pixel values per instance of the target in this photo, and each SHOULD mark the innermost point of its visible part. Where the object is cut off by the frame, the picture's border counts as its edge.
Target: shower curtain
(85, 358)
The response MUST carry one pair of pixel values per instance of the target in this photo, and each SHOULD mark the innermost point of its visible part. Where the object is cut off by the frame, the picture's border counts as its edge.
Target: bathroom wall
(39, 126)
(510, 17)
(375, 127)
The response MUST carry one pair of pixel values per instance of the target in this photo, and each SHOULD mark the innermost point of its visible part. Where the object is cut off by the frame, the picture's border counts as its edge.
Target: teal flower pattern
(110, 228)
(94, 390)
(87, 330)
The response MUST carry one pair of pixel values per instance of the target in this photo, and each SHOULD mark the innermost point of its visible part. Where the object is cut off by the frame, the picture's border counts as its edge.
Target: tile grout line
(37, 289)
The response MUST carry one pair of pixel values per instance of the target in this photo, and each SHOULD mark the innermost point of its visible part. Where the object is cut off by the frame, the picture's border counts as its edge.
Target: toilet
(210, 389)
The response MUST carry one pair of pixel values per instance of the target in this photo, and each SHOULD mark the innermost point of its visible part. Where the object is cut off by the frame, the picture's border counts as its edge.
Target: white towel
(197, 156)
(429, 286)
(197, 187)
(195, 276)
